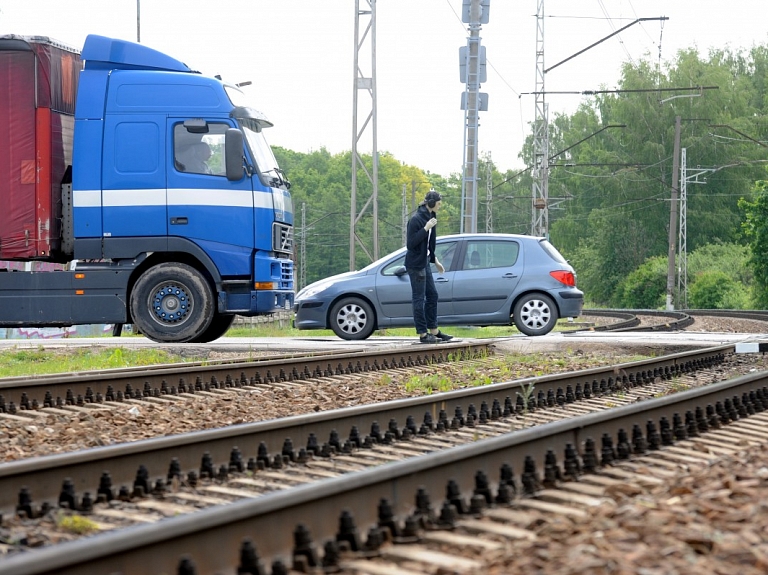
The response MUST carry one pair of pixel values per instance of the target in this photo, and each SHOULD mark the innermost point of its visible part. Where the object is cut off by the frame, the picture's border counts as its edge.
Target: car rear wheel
(352, 318)
(535, 314)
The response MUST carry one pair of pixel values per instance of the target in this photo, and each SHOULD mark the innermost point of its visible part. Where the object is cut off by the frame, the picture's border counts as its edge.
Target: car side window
(391, 268)
(445, 252)
(490, 254)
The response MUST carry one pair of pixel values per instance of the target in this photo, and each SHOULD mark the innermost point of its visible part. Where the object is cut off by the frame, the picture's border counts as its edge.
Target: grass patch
(25, 362)
(76, 524)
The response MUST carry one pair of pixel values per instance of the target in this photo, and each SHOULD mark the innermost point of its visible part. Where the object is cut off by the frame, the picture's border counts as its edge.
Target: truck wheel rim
(171, 303)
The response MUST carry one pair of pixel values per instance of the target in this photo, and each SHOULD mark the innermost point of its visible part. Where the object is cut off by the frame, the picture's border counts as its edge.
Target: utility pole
(405, 216)
(138, 21)
(540, 196)
(303, 268)
(367, 84)
(489, 195)
(682, 241)
(472, 73)
(686, 176)
(673, 216)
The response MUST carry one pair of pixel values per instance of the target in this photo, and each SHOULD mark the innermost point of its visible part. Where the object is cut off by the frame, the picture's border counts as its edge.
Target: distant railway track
(630, 320)
(286, 524)
(655, 320)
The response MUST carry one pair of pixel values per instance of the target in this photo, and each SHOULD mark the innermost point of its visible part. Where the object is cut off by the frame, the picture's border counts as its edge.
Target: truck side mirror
(233, 154)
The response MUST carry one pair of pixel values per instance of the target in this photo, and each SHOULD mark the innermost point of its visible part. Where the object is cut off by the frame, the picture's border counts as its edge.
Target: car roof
(497, 236)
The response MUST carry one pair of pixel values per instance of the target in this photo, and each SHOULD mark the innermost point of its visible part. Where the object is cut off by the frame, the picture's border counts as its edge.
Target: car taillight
(564, 277)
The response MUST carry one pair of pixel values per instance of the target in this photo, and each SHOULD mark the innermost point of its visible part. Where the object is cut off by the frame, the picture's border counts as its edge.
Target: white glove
(430, 224)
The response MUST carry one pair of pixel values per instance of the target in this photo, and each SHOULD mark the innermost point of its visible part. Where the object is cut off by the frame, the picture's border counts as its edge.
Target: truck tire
(172, 303)
(219, 326)
(352, 318)
(535, 314)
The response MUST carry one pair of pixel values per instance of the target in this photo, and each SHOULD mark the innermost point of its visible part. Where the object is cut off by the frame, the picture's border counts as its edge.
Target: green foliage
(716, 290)
(609, 189)
(618, 183)
(645, 287)
(755, 228)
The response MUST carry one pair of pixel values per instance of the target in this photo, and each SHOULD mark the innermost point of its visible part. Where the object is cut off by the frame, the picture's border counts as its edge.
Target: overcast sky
(299, 56)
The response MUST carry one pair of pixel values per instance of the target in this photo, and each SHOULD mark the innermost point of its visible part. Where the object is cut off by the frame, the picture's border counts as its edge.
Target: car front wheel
(535, 314)
(352, 318)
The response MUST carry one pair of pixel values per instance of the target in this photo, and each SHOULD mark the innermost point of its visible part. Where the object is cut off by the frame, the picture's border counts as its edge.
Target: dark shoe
(443, 336)
(428, 338)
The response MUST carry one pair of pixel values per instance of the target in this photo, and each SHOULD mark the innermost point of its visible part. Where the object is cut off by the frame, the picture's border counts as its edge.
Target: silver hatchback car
(489, 279)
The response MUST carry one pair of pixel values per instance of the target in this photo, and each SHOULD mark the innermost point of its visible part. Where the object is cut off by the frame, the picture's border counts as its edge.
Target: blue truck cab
(177, 216)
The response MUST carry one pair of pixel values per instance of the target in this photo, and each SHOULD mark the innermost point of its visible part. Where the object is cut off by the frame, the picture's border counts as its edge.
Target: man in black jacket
(422, 231)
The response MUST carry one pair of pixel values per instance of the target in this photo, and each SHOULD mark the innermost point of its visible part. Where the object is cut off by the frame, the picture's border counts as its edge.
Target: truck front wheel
(219, 326)
(172, 303)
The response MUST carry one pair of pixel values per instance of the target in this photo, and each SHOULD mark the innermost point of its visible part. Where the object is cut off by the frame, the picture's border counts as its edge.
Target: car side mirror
(400, 271)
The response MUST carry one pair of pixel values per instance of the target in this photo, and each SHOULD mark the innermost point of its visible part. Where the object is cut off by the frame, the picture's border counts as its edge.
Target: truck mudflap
(256, 302)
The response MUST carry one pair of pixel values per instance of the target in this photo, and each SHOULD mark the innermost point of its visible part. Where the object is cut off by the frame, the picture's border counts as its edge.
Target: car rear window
(552, 251)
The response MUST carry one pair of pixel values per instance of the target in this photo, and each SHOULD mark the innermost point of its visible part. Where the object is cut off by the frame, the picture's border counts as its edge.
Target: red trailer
(38, 83)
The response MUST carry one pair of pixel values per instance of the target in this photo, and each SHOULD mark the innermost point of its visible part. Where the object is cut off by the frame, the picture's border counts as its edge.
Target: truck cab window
(197, 153)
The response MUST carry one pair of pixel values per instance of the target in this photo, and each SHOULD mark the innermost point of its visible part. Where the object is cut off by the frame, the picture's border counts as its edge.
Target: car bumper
(310, 315)
(571, 302)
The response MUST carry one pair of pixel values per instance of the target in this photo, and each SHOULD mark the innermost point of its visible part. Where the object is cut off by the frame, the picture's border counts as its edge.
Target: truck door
(203, 205)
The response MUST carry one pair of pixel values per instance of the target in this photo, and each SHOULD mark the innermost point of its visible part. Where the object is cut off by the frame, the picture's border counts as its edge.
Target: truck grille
(282, 238)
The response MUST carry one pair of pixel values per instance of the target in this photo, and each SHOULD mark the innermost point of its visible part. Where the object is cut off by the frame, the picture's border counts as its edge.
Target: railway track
(91, 388)
(419, 425)
(225, 479)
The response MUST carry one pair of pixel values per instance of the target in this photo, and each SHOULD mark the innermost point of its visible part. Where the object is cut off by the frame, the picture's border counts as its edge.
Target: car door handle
(509, 276)
(441, 280)
(179, 221)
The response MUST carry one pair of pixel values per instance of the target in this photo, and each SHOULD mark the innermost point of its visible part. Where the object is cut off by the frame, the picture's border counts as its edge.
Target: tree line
(610, 192)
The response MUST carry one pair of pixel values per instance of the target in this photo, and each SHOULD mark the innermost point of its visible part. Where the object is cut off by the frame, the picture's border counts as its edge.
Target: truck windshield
(266, 163)
(269, 172)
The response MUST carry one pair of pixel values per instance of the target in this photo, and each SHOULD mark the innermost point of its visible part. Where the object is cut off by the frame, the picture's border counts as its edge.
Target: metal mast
(404, 217)
(686, 176)
(682, 239)
(472, 74)
(303, 268)
(489, 195)
(366, 84)
(673, 216)
(540, 211)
